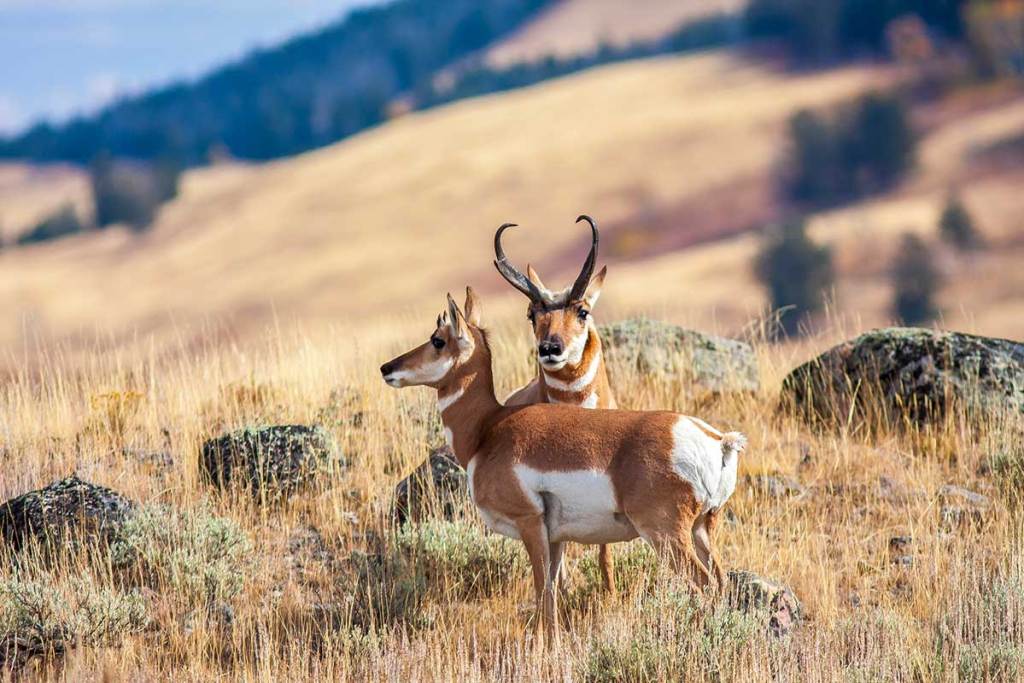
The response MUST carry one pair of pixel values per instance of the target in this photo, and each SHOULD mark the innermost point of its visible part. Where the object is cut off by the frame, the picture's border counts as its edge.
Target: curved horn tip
(584, 217)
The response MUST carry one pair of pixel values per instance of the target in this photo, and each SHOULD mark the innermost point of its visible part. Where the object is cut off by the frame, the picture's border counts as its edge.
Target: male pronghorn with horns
(572, 369)
(548, 473)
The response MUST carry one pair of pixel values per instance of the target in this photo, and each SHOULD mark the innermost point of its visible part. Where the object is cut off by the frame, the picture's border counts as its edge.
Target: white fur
(425, 374)
(448, 438)
(578, 506)
(444, 402)
(578, 384)
(704, 463)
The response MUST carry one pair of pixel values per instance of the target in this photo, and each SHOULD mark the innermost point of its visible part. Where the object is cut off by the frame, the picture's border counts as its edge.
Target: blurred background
(188, 173)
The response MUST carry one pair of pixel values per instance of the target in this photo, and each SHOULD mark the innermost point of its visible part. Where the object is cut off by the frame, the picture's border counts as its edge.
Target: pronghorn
(547, 473)
(571, 364)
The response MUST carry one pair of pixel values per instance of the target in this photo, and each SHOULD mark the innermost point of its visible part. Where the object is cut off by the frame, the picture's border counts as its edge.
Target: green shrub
(868, 147)
(676, 636)
(915, 280)
(956, 225)
(48, 616)
(797, 273)
(446, 560)
(64, 221)
(198, 558)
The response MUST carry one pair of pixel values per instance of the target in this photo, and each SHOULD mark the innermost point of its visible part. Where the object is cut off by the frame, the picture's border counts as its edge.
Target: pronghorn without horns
(570, 361)
(548, 473)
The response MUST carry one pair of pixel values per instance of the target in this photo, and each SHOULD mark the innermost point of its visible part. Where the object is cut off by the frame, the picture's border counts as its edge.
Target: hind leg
(604, 561)
(703, 525)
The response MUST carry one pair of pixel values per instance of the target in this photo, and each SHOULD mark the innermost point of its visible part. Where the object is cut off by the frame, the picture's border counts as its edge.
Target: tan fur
(634, 449)
(565, 323)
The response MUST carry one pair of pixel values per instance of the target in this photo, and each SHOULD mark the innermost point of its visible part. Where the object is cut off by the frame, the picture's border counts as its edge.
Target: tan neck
(467, 401)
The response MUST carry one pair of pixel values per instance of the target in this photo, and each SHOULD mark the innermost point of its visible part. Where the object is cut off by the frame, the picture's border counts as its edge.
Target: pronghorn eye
(437, 342)
(583, 313)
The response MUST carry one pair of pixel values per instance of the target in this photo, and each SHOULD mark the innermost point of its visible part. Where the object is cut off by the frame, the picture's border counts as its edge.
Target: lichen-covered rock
(437, 486)
(752, 593)
(652, 347)
(269, 462)
(892, 375)
(66, 508)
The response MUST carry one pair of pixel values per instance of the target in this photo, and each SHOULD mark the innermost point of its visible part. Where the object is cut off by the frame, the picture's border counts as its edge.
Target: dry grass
(326, 588)
(572, 27)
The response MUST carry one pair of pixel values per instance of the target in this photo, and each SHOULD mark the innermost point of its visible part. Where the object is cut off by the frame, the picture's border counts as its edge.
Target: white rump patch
(701, 461)
(578, 506)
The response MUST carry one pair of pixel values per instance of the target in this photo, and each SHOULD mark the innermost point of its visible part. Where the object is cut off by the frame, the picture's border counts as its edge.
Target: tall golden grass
(328, 588)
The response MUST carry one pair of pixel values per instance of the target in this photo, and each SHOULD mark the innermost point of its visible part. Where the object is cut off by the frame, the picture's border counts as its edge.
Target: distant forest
(308, 92)
(322, 87)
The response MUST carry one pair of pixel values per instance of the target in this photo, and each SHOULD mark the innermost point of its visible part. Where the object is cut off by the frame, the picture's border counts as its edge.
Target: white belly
(578, 506)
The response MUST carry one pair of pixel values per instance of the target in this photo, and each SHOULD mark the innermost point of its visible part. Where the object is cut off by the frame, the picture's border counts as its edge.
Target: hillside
(309, 91)
(676, 157)
(572, 27)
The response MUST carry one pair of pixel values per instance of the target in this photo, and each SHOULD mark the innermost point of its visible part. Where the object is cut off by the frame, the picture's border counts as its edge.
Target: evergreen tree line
(306, 93)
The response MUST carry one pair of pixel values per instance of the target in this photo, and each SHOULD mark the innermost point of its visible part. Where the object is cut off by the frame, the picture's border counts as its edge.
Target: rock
(750, 593)
(899, 373)
(962, 507)
(775, 486)
(71, 506)
(898, 545)
(268, 461)
(718, 364)
(438, 485)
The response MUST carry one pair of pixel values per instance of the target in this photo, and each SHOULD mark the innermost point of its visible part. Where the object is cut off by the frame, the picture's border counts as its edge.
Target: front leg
(534, 534)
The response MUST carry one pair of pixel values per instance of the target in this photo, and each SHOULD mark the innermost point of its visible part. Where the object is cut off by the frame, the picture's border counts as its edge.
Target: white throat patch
(445, 402)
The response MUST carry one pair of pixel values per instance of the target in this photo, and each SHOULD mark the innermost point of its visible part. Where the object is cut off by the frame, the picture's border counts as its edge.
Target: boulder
(902, 373)
(69, 508)
(438, 486)
(961, 507)
(717, 364)
(269, 462)
(752, 593)
(774, 486)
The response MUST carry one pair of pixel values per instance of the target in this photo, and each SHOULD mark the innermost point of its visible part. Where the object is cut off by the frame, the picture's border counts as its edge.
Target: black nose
(550, 347)
(387, 369)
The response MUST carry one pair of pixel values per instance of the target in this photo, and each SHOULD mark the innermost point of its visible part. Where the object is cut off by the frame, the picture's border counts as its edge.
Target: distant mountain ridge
(310, 91)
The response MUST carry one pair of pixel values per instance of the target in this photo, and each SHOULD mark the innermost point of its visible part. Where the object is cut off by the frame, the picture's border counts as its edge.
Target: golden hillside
(572, 27)
(676, 157)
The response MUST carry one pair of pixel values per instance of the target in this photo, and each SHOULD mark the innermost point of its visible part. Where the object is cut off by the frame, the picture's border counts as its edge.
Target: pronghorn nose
(550, 347)
(387, 369)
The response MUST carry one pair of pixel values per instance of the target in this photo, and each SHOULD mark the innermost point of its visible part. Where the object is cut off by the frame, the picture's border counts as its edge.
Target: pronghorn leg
(555, 552)
(604, 560)
(702, 528)
(535, 536)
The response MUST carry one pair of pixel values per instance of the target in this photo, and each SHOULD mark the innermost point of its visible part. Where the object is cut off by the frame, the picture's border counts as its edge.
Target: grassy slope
(578, 26)
(388, 220)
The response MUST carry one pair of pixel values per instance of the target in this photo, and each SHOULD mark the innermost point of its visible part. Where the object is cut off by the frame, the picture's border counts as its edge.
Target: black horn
(509, 272)
(579, 288)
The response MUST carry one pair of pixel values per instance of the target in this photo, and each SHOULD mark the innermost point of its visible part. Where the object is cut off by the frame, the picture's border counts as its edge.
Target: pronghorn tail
(733, 443)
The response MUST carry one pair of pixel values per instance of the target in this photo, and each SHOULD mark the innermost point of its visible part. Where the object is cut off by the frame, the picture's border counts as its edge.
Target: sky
(63, 57)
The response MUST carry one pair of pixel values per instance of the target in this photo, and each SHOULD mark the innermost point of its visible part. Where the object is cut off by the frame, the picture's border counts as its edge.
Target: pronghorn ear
(455, 319)
(472, 307)
(593, 292)
(534, 277)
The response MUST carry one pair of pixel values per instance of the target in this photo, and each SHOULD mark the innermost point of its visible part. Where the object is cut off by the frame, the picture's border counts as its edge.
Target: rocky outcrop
(69, 508)
(269, 462)
(898, 374)
(752, 593)
(436, 488)
(651, 347)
